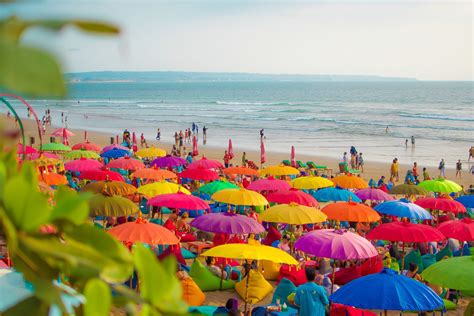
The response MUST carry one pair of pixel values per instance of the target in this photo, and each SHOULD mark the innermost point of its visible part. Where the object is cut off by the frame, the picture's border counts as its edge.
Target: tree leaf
(31, 306)
(70, 206)
(98, 298)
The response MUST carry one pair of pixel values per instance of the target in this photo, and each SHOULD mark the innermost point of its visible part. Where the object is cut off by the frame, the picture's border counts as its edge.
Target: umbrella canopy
(440, 186)
(212, 187)
(162, 187)
(387, 290)
(179, 201)
(349, 181)
(408, 189)
(335, 194)
(403, 209)
(199, 174)
(44, 155)
(114, 146)
(101, 175)
(462, 230)
(466, 200)
(28, 150)
(206, 164)
(60, 132)
(102, 205)
(292, 214)
(83, 164)
(441, 204)
(77, 154)
(405, 232)
(279, 171)
(263, 156)
(292, 196)
(53, 178)
(227, 223)
(269, 184)
(230, 149)
(54, 147)
(110, 188)
(87, 146)
(195, 151)
(145, 232)
(115, 153)
(336, 244)
(311, 183)
(454, 273)
(153, 174)
(250, 252)
(374, 195)
(239, 197)
(241, 170)
(151, 152)
(126, 163)
(168, 162)
(351, 212)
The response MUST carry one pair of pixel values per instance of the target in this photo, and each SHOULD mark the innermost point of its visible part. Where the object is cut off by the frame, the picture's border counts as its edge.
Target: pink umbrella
(134, 140)
(269, 184)
(60, 132)
(199, 174)
(126, 163)
(373, 195)
(28, 150)
(293, 159)
(45, 155)
(336, 244)
(83, 164)
(405, 232)
(441, 204)
(462, 230)
(227, 223)
(101, 175)
(263, 156)
(230, 150)
(110, 147)
(179, 201)
(206, 164)
(86, 146)
(292, 195)
(65, 137)
(195, 146)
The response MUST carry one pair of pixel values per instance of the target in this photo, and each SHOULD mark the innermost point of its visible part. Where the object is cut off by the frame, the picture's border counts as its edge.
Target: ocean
(320, 118)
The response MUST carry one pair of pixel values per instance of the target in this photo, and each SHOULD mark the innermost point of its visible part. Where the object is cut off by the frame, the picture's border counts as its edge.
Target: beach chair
(311, 164)
(301, 164)
(344, 168)
(286, 162)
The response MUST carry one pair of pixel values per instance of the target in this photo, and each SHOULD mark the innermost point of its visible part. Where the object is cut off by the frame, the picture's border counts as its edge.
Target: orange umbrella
(241, 170)
(154, 174)
(145, 232)
(351, 212)
(349, 181)
(52, 178)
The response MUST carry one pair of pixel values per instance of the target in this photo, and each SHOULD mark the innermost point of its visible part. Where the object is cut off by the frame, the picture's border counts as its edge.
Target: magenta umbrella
(60, 132)
(83, 164)
(168, 162)
(293, 156)
(206, 164)
(28, 150)
(336, 244)
(110, 147)
(45, 155)
(199, 174)
(227, 223)
(230, 150)
(292, 196)
(373, 195)
(179, 201)
(441, 204)
(269, 184)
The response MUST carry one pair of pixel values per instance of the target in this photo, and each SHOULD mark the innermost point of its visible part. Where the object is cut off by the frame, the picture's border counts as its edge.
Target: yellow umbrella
(311, 182)
(293, 214)
(153, 174)
(151, 152)
(239, 197)
(110, 188)
(102, 205)
(163, 187)
(279, 171)
(349, 181)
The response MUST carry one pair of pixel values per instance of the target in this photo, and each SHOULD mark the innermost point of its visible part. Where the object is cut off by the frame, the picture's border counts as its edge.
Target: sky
(427, 40)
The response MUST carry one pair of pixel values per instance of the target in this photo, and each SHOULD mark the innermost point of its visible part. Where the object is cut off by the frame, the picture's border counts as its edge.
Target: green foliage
(98, 298)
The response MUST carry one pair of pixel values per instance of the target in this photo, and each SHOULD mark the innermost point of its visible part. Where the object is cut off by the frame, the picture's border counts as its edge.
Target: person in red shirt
(415, 171)
(226, 159)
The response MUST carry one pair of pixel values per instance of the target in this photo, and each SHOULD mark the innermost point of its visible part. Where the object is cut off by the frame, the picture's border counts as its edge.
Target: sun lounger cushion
(428, 260)
(258, 288)
(283, 290)
(192, 294)
(346, 275)
(415, 257)
(187, 254)
(446, 251)
(206, 280)
(269, 269)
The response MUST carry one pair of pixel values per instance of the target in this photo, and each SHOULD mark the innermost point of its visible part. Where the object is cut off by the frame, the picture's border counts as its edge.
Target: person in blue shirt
(310, 297)
(189, 158)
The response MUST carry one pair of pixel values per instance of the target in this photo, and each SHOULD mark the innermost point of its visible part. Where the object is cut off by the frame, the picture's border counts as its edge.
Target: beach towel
(258, 288)
(206, 280)
(192, 294)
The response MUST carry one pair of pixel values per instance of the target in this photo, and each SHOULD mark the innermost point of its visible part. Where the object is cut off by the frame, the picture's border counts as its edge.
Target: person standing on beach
(158, 134)
(142, 140)
(406, 143)
(413, 141)
(426, 175)
(361, 163)
(262, 134)
(415, 172)
(471, 153)
(194, 127)
(386, 130)
(394, 170)
(442, 169)
(244, 159)
(204, 133)
(176, 138)
(226, 159)
(310, 297)
(458, 168)
(344, 158)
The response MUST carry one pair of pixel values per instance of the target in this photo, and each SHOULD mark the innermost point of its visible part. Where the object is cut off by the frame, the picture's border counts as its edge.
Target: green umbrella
(215, 186)
(102, 205)
(440, 185)
(77, 154)
(55, 147)
(408, 189)
(454, 273)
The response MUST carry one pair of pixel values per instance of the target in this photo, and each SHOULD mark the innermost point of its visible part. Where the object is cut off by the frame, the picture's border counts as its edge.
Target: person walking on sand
(415, 171)
(394, 170)
(406, 143)
(344, 158)
(244, 159)
(311, 297)
(386, 130)
(413, 141)
(458, 168)
(442, 169)
(361, 163)
(158, 134)
(471, 153)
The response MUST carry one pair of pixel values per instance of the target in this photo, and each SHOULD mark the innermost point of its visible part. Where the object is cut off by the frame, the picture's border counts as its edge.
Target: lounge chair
(286, 162)
(301, 164)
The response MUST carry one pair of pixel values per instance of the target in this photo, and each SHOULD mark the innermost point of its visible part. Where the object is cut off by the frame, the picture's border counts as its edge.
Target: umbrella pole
(403, 257)
(333, 276)
(246, 290)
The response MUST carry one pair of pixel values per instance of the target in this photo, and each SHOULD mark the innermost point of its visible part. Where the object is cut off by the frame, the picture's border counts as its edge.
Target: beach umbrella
(263, 156)
(178, 200)
(311, 183)
(126, 163)
(405, 232)
(60, 132)
(269, 184)
(103, 205)
(151, 152)
(462, 230)
(54, 147)
(292, 196)
(83, 164)
(145, 232)
(115, 153)
(162, 187)
(200, 174)
(440, 185)
(293, 156)
(44, 155)
(77, 154)
(195, 151)
(100, 175)
(403, 209)
(230, 149)
(168, 162)
(279, 171)
(349, 181)
(336, 244)
(293, 214)
(87, 146)
(387, 290)
(453, 273)
(43, 161)
(212, 187)
(110, 188)
(28, 150)
(335, 194)
(114, 146)
(242, 171)
(239, 197)
(466, 200)
(373, 195)
(206, 164)
(53, 179)
(65, 137)
(408, 189)
(441, 204)
(153, 174)
(351, 212)
(227, 223)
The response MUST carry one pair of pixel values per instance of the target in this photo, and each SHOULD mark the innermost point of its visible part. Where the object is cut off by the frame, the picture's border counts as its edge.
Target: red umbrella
(101, 175)
(145, 232)
(83, 164)
(441, 204)
(199, 174)
(405, 232)
(28, 150)
(263, 156)
(462, 230)
(126, 163)
(179, 201)
(293, 155)
(60, 132)
(195, 146)
(292, 195)
(230, 150)
(134, 140)
(87, 146)
(269, 184)
(206, 164)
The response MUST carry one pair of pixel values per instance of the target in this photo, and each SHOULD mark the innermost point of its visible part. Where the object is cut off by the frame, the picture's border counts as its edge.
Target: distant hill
(179, 76)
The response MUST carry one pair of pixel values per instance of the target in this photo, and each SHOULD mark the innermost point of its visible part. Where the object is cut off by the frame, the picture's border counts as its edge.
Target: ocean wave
(250, 103)
(437, 117)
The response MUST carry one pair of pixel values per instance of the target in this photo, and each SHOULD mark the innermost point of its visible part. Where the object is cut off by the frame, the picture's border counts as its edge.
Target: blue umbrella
(115, 153)
(387, 290)
(335, 194)
(403, 209)
(466, 200)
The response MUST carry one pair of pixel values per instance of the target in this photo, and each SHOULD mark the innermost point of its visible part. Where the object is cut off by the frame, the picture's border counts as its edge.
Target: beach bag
(206, 280)
(192, 294)
(258, 288)
(283, 290)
